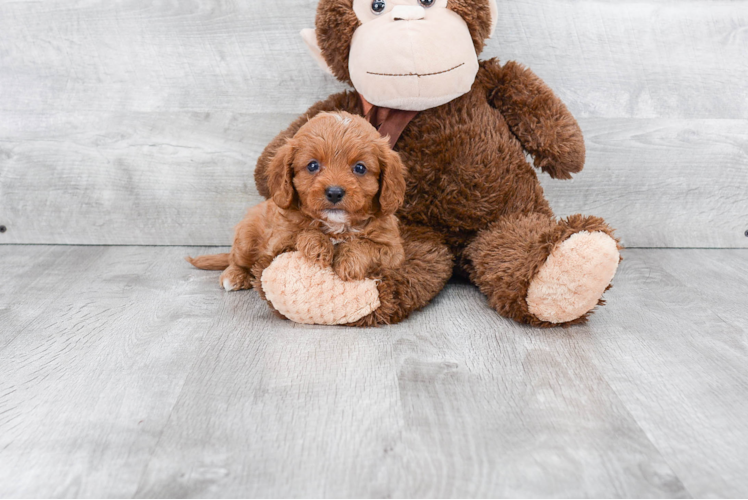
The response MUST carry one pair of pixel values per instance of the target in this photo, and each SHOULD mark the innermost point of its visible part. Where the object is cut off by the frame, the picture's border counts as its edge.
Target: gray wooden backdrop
(139, 121)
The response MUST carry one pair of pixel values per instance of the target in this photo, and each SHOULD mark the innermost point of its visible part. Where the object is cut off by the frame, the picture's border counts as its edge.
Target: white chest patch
(336, 217)
(337, 222)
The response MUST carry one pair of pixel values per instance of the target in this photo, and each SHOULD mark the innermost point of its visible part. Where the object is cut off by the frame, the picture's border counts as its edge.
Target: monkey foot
(574, 278)
(306, 293)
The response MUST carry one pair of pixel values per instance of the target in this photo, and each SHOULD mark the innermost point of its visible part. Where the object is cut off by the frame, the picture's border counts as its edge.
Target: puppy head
(339, 169)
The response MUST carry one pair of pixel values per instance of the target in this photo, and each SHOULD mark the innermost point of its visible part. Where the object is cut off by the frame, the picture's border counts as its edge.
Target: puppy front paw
(316, 248)
(349, 268)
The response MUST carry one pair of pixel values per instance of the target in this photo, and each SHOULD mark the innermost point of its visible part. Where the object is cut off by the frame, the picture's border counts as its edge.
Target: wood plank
(663, 183)
(669, 58)
(204, 56)
(721, 282)
(456, 402)
(120, 122)
(631, 58)
(86, 388)
(186, 178)
(142, 378)
(33, 278)
(158, 179)
(677, 359)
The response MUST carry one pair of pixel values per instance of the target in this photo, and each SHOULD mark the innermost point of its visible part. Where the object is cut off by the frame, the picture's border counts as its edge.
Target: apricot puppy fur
(335, 187)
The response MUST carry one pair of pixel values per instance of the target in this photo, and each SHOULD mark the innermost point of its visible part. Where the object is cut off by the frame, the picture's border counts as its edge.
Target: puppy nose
(334, 194)
(408, 13)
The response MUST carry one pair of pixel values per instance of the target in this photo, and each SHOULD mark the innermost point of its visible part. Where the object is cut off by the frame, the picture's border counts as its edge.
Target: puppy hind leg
(236, 278)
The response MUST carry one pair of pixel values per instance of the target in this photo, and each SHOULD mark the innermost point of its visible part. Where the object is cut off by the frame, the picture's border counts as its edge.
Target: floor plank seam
(639, 426)
(32, 321)
(147, 465)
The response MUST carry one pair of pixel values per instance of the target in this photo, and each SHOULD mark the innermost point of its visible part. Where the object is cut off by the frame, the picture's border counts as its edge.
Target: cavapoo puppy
(335, 188)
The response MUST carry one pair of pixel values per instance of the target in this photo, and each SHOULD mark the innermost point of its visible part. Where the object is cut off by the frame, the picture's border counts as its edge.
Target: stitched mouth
(419, 75)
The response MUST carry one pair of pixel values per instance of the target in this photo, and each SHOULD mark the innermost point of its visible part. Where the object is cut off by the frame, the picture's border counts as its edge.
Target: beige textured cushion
(308, 294)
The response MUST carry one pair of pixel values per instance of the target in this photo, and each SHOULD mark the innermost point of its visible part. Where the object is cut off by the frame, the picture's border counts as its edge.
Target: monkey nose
(334, 194)
(408, 13)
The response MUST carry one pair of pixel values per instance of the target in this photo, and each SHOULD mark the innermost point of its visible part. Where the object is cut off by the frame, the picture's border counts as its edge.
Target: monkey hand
(307, 293)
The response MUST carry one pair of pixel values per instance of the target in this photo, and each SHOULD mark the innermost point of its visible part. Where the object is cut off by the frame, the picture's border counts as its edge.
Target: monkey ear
(310, 38)
(280, 177)
(494, 16)
(391, 179)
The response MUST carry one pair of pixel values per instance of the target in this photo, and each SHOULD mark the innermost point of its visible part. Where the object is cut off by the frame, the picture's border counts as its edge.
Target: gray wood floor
(125, 373)
(133, 122)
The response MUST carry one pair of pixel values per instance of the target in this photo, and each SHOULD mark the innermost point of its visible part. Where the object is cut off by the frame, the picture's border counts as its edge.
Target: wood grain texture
(186, 178)
(670, 59)
(707, 278)
(162, 179)
(632, 58)
(40, 274)
(142, 378)
(663, 183)
(86, 387)
(133, 122)
(675, 349)
(456, 402)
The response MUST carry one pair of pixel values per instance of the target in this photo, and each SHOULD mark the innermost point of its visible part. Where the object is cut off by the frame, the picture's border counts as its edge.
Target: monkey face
(409, 56)
(403, 54)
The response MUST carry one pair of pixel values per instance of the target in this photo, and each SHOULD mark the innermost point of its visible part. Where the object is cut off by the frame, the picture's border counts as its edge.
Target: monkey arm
(542, 123)
(344, 101)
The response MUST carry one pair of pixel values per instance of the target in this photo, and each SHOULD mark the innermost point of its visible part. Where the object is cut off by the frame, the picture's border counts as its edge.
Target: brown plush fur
(359, 239)
(477, 15)
(336, 23)
(517, 246)
(468, 181)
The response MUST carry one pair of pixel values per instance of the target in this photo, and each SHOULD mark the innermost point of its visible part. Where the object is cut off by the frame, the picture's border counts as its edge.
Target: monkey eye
(378, 6)
(359, 169)
(426, 3)
(313, 166)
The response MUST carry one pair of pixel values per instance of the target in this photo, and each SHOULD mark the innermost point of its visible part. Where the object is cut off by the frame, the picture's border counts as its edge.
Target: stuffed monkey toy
(473, 204)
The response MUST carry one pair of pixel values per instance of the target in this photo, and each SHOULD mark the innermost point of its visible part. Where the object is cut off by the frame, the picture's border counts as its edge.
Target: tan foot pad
(308, 294)
(574, 278)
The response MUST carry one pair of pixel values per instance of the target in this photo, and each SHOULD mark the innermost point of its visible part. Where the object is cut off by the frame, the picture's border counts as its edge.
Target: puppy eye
(426, 3)
(359, 169)
(313, 167)
(378, 6)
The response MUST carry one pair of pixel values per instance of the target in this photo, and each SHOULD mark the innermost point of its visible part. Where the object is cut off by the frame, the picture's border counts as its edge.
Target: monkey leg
(298, 290)
(537, 270)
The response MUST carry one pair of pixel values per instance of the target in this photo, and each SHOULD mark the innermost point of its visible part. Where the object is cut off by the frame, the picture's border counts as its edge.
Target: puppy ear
(280, 177)
(391, 179)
